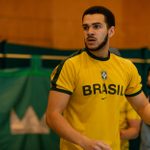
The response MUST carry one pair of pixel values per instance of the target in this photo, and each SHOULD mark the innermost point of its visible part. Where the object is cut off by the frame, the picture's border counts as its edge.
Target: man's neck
(102, 53)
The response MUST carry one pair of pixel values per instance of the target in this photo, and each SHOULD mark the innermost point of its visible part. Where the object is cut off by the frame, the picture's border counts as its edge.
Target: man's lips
(91, 41)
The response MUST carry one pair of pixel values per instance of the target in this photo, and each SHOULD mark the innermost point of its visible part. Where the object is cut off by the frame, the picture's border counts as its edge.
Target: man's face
(95, 31)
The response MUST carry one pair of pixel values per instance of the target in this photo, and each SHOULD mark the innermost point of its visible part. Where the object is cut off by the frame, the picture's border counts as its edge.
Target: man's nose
(90, 31)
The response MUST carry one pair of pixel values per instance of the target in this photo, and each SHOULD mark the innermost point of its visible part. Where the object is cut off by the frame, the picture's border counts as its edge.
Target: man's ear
(111, 31)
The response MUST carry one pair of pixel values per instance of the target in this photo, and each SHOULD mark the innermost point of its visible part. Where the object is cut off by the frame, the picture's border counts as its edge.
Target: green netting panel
(23, 101)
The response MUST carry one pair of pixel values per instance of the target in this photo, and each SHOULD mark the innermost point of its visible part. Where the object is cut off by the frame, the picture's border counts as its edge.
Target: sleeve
(63, 77)
(134, 86)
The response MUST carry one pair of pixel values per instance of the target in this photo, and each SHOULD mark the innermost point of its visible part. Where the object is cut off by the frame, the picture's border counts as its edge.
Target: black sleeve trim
(60, 66)
(61, 90)
(134, 94)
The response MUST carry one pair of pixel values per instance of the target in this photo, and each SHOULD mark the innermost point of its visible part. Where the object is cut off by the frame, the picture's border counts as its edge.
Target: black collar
(98, 58)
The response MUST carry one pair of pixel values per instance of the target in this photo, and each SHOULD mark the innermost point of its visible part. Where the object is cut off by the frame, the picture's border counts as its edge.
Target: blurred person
(145, 128)
(129, 124)
(87, 87)
(115, 51)
(129, 119)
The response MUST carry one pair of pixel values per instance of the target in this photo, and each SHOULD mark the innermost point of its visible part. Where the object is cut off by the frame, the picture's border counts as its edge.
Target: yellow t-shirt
(96, 86)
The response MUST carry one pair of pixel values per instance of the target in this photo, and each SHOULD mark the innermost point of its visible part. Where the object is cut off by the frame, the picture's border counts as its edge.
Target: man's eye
(97, 26)
(85, 28)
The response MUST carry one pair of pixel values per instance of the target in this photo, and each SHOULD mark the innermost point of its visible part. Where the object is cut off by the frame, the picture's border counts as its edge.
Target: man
(145, 128)
(87, 87)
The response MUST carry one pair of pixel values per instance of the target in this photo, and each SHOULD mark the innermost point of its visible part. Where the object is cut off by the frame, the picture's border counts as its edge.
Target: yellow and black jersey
(96, 86)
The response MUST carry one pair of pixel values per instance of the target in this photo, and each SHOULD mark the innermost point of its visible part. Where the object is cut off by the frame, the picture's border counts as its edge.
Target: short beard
(100, 45)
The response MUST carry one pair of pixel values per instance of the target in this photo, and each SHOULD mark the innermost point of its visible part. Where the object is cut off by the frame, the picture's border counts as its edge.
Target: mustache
(91, 37)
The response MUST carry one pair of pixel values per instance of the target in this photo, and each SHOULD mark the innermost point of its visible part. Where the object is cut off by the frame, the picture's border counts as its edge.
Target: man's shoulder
(75, 57)
(121, 59)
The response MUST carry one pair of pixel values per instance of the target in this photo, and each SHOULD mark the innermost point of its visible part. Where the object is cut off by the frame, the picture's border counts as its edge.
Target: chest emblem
(104, 75)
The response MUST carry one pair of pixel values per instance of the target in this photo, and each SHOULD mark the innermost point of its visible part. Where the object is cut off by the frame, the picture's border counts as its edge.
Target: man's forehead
(93, 18)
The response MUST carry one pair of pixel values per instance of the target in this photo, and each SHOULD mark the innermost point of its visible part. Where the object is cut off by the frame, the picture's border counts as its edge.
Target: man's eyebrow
(95, 23)
(85, 24)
